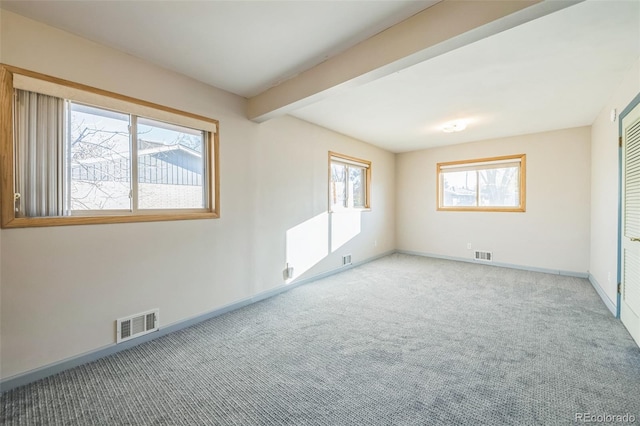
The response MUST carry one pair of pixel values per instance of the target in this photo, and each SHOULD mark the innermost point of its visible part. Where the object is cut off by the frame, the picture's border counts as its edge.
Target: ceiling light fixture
(454, 126)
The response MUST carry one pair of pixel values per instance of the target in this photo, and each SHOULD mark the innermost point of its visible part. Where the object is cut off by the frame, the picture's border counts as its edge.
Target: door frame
(624, 113)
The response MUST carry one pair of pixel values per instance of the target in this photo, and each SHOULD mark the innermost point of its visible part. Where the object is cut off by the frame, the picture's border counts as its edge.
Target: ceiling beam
(441, 28)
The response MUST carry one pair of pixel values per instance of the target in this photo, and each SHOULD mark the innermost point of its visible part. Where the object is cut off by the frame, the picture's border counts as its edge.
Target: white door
(630, 291)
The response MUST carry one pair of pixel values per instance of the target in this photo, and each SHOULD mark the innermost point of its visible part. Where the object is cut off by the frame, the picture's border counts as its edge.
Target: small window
(487, 184)
(349, 182)
(78, 155)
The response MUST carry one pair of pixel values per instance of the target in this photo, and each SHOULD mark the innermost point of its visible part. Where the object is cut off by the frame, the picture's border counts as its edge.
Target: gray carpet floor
(403, 340)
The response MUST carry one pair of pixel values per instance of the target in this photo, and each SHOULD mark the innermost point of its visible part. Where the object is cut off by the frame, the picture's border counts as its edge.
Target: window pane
(99, 159)
(499, 187)
(459, 189)
(496, 183)
(348, 182)
(170, 166)
(357, 186)
(338, 185)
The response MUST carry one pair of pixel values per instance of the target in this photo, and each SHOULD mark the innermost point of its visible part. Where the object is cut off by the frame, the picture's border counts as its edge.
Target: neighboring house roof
(147, 148)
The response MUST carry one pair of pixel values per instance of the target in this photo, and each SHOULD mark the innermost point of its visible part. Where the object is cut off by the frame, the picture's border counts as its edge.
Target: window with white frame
(349, 182)
(487, 184)
(101, 157)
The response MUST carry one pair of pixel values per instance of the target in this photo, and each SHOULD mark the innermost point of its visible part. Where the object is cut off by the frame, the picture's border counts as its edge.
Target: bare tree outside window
(170, 163)
(338, 184)
(485, 184)
(499, 187)
(357, 185)
(348, 183)
(81, 155)
(99, 159)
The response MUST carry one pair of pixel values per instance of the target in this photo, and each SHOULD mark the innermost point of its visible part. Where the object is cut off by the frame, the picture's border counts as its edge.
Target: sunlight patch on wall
(307, 244)
(311, 241)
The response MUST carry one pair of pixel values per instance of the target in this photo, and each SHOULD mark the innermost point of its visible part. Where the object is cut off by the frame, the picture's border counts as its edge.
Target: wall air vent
(346, 260)
(485, 256)
(137, 325)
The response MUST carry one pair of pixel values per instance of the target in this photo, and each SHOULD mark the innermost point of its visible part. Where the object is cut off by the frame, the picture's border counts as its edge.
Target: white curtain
(39, 145)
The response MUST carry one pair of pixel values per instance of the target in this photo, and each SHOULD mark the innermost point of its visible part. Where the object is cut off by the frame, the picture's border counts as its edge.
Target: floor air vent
(137, 325)
(485, 256)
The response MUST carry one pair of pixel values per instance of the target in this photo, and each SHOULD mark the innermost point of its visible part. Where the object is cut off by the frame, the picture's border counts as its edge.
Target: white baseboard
(608, 302)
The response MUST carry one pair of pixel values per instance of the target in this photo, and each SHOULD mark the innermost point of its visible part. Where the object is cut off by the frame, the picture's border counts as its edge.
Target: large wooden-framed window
(72, 154)
(485, 184)
(349, 183)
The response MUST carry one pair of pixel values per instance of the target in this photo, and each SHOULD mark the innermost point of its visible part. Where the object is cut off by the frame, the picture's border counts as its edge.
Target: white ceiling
(243, 47)
(554, 72)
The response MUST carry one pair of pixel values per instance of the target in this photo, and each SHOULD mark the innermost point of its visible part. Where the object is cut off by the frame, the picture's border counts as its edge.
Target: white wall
(605, 186)
(63, 287)
(552, 234)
